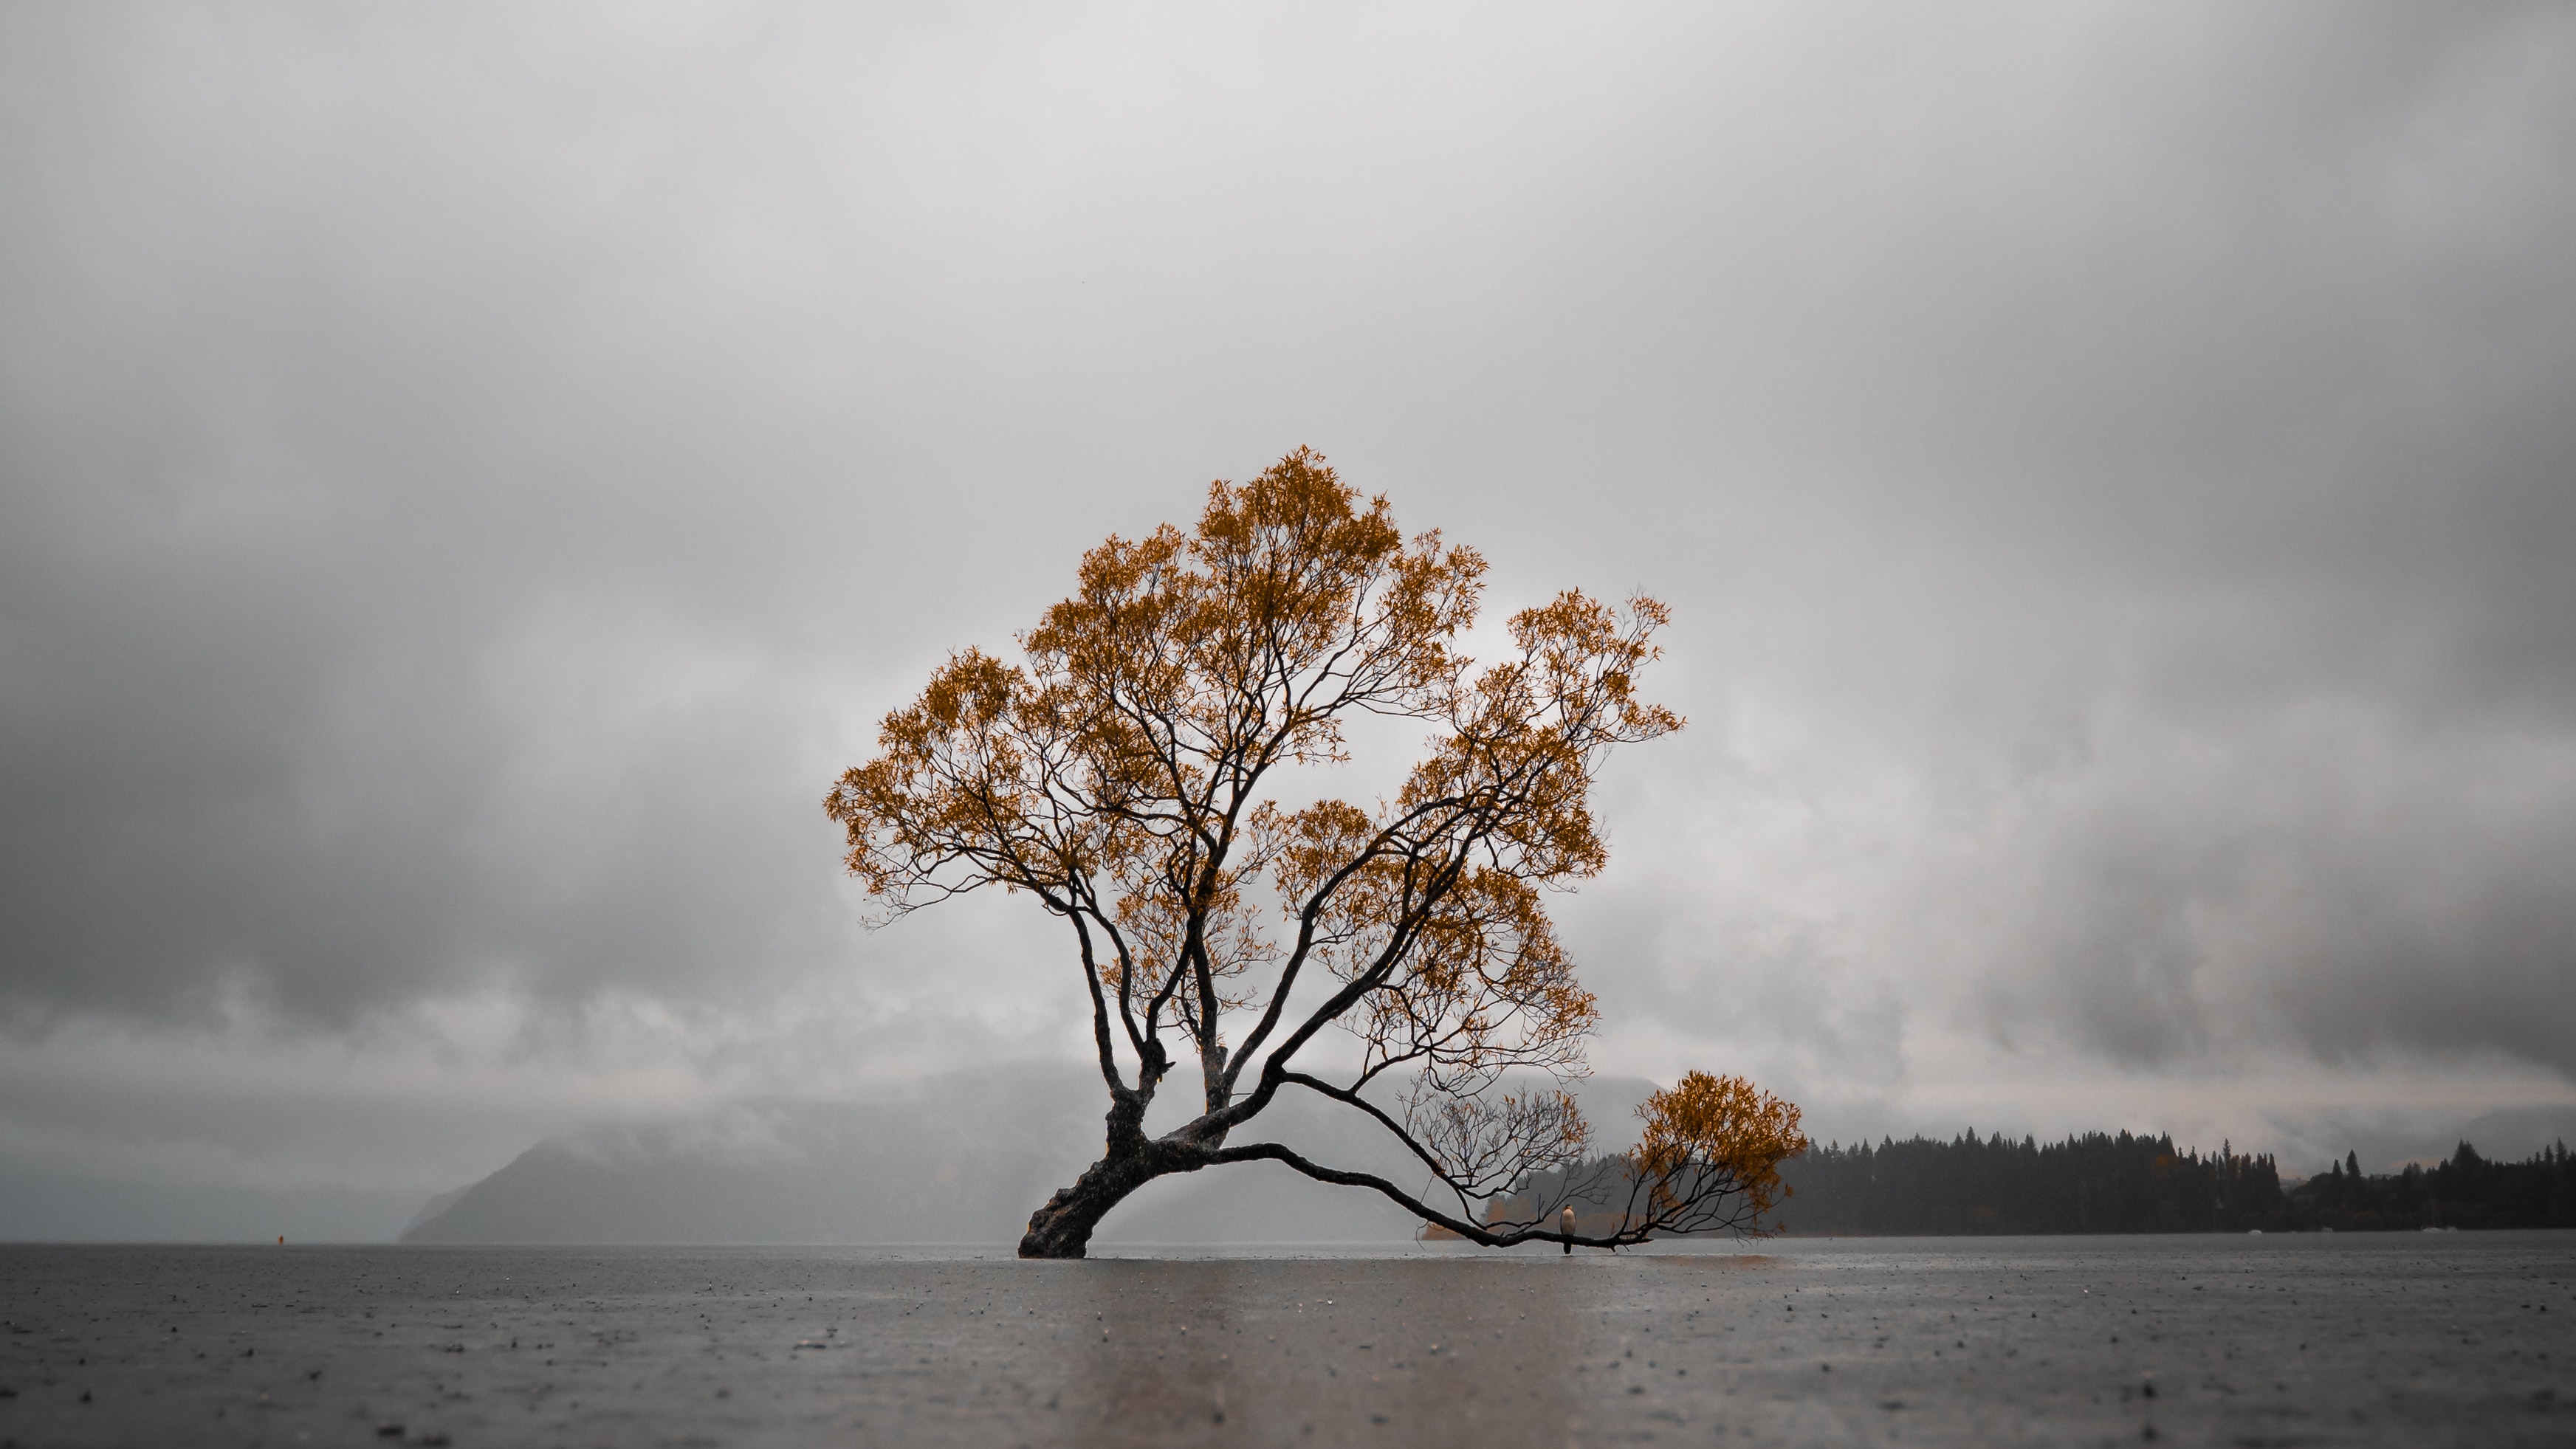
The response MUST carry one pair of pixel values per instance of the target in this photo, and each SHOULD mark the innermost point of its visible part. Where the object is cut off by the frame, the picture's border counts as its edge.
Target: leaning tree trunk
(1062, 1229)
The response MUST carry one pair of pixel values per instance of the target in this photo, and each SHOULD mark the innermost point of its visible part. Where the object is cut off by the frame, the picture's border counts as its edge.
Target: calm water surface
(2356, 1339)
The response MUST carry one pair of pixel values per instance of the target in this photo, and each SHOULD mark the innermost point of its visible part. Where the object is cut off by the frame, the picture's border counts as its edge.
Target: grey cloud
(467, 479)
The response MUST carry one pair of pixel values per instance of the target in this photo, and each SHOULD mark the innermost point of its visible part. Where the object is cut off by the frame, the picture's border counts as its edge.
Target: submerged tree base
(1063, 1228)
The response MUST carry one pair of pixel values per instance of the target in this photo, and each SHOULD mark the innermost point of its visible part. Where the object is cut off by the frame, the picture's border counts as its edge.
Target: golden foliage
(1121, 772)
(1717, 1129)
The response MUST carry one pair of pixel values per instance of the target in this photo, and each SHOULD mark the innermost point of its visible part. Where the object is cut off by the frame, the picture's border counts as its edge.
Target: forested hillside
(2103, 1183)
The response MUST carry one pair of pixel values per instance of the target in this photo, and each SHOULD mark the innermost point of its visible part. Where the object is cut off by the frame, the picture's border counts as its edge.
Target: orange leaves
(1240, 642)
(1717, 1130)
(1155, 927)
(1315, 841)
(1530, 733)
(1119, 775)
(1587, 657)
(950, 784)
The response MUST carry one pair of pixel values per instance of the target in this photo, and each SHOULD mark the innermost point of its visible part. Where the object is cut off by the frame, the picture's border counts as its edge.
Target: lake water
(2379, 1339)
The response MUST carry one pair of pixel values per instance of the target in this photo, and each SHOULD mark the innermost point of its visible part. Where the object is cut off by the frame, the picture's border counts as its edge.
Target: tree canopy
(1124, 773)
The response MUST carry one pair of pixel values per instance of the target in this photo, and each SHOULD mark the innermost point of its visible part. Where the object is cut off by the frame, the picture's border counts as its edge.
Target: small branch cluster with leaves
(1708, 1161)
(1122, 775)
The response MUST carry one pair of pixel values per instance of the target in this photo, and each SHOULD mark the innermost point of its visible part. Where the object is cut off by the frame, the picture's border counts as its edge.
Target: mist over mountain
(955, 1166)
(960, 1158)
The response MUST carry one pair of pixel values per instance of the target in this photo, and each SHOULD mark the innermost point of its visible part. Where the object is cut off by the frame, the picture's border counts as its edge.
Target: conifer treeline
(2466, 1192)
(2100, 1183)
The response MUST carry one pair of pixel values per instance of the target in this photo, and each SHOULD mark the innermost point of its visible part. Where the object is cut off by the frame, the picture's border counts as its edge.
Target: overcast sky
(470, 477)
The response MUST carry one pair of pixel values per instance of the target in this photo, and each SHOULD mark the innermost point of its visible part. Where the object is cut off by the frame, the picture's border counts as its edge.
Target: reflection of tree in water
(1458, 1350)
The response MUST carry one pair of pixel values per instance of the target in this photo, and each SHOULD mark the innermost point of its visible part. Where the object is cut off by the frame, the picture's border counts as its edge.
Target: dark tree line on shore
(2103, 1183)
(2468, 1191)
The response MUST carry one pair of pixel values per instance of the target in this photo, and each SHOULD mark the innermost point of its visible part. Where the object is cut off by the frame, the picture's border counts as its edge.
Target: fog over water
(470, 478)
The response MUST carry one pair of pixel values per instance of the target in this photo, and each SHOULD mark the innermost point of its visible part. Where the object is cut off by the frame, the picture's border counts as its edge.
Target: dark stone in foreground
(2457, 1338)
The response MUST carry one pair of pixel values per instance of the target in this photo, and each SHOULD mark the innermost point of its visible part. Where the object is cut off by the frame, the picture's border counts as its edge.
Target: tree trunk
(1062, 1229)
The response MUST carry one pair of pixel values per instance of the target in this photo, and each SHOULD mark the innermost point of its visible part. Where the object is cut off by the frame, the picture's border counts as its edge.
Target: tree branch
(1472, 1232)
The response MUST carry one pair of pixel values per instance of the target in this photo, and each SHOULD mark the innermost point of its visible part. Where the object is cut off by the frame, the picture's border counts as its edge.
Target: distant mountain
(962, 1159)
(433, 1208)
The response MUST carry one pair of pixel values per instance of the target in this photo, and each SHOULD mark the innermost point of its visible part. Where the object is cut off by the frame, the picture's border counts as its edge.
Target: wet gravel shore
(2455, 1338)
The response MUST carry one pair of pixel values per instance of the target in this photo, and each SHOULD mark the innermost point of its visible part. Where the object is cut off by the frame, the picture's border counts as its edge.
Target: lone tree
(1119, 774)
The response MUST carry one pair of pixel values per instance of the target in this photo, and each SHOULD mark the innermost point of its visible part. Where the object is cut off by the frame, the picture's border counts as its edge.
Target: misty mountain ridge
(964, 1157)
